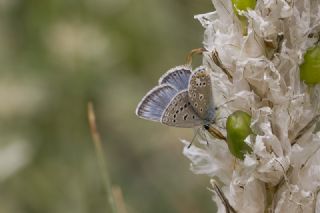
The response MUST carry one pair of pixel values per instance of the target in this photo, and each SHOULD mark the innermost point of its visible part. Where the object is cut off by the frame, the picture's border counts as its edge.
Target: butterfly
(183, 98)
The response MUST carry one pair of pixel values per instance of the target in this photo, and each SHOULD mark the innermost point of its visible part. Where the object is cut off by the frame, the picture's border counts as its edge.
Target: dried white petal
(282, 174)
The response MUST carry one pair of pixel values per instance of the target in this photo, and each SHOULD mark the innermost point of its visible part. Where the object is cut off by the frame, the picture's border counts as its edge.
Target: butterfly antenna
(194, 137)
(221, 127)
(224, 103)
(221, 118)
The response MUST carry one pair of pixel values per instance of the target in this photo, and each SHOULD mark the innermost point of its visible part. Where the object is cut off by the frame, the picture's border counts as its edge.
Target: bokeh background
(55, 56)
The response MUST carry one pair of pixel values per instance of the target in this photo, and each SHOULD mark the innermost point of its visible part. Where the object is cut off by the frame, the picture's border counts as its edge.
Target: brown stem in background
(118, 196)
(101, 157)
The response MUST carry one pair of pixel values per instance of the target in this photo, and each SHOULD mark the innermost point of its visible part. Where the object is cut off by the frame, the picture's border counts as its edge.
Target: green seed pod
(310, 68)
(238, 128)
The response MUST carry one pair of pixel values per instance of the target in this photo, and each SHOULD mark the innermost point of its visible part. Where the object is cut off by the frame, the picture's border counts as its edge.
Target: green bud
(238, 128)
(243, 5)
(310, 68)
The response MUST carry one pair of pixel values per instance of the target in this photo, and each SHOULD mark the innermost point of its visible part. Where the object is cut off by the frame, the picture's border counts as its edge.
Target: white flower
(282, 174)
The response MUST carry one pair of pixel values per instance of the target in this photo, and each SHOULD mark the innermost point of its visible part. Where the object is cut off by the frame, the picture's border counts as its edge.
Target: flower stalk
(266, 69)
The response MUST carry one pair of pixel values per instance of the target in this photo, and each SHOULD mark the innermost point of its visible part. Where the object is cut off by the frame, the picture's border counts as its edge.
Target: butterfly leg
(194, 137)
(206, 139)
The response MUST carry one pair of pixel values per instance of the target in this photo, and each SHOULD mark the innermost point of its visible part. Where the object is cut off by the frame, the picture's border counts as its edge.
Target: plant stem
(101, 157)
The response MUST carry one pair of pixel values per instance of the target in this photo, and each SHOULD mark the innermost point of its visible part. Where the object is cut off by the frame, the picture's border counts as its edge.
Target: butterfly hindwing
(200, 94)
(155, 102)
(178, 77)
(180, 113)
(182, 99)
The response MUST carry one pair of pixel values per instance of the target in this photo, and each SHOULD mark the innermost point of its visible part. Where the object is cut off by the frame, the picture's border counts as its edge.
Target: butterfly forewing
(177, 77)
(180, 113)
(155, 102)
(200, 94)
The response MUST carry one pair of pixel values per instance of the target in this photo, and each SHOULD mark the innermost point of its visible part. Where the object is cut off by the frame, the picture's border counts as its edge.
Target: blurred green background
(55, 56)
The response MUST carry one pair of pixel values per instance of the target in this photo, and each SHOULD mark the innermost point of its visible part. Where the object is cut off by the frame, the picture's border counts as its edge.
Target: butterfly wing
(179, 112)
(155, 102)
(178, 77)
(200, 94)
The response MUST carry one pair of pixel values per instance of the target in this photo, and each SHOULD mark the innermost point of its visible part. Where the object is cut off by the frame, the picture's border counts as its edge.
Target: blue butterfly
(182, 99)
